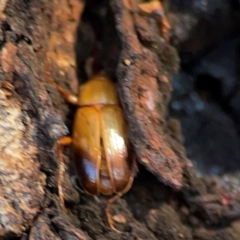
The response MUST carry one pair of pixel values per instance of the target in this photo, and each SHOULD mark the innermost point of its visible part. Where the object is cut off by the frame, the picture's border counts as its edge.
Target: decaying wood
(65, 230)
(36, 34)
(146, 66)
(20, 198)
(29, 125)
(145, 87)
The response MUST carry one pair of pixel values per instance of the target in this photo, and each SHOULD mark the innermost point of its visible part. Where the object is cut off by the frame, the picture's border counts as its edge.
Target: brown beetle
(100, 146)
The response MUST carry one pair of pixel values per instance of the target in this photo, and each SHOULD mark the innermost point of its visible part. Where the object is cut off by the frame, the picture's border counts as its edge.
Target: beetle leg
(114, 199)
(108, 214)
(64, 141)
(70, 98)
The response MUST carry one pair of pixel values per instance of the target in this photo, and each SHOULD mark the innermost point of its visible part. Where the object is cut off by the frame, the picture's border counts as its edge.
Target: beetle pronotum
(100, 146)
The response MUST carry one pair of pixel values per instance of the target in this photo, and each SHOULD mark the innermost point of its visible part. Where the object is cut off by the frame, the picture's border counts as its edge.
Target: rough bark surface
(29, 125)
(22, 183)
(168, 200)
(145, 87)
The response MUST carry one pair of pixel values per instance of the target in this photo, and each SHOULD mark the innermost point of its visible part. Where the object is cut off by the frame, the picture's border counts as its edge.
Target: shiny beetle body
(100, 147)
(99, 143)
